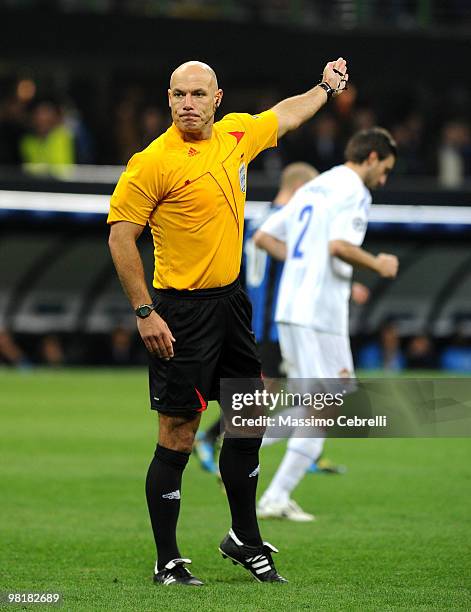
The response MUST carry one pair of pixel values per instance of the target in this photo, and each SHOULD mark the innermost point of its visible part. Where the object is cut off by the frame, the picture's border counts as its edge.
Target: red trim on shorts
(204, 404)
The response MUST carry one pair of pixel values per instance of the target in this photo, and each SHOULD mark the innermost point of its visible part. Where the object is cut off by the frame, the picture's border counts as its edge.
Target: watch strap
(327, 88)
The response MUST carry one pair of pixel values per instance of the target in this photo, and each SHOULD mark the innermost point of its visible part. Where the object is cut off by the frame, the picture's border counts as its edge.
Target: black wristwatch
(327, 88)
(144, 310)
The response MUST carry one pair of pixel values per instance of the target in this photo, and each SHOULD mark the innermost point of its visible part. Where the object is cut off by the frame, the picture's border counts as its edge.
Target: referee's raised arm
(294, 111)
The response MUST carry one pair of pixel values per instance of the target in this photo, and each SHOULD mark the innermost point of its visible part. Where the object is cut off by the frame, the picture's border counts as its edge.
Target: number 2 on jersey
(306, 213)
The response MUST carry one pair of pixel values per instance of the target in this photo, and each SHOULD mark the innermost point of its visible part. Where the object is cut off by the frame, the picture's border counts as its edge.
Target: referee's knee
(178, 433)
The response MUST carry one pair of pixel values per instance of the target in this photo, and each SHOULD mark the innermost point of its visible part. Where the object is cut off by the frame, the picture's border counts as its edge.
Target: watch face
(143, 311)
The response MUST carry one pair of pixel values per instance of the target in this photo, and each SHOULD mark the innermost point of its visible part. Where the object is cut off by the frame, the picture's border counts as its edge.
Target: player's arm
(274, 247)
(384, 264)
(273, 234)
(293, 112)
(128, 263)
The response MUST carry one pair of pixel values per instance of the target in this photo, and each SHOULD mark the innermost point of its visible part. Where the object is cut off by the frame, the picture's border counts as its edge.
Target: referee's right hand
(156, 335)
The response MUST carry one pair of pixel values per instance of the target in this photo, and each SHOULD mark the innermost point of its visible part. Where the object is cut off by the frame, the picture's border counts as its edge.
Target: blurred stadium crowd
(433, 136)
(403, 14)
(62, 113)
(65, 111)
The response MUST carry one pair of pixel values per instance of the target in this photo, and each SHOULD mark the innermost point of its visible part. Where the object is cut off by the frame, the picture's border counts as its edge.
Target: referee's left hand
(336, 75)
(156, 335)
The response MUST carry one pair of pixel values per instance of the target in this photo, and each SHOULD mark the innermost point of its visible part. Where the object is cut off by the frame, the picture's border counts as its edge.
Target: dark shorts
(270, 355)
(213, 340)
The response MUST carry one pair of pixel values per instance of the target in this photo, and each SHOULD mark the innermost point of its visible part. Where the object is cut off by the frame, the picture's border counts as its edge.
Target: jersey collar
(175, 139)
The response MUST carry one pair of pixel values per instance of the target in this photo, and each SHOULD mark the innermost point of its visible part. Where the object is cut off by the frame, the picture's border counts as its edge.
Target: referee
(190, 185)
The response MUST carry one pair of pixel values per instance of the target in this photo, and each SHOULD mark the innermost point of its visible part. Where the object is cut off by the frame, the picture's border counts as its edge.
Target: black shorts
(270, 354)
(213, 340)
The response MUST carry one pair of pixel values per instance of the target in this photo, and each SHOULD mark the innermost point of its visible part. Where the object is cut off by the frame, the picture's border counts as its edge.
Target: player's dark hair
(364, 142)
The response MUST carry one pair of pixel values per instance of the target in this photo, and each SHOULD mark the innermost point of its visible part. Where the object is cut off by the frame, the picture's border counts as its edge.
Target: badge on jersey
(359, 224)
(242, 177)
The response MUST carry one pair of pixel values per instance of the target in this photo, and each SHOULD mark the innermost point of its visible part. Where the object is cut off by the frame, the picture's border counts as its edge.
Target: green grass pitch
(392, 534)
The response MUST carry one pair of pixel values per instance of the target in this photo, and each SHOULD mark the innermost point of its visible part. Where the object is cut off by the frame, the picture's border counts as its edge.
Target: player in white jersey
(319, 234)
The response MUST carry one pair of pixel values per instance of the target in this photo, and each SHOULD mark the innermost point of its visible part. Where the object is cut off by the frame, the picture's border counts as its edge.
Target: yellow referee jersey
(192, 194)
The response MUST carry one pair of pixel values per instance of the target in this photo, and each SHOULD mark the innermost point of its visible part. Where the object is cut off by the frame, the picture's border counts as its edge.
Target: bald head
(296, 174)
(193, 98)
(194, 69)
(292, 178)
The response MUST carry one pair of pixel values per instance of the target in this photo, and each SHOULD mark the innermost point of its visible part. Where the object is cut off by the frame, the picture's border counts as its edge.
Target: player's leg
(213, 432)
(205, 446)
(179, 391)
(163, 482)
(239, 459)
(304, 445)
(287, 353)
(339, 363)
(322, 357)
(276, 433)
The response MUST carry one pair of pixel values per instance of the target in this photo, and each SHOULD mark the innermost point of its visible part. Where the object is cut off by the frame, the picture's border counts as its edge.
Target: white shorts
(308, 353)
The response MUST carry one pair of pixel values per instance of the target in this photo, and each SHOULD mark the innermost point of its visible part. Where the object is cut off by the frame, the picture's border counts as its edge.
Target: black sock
(213, 432)
(163, 500)
(239, 468)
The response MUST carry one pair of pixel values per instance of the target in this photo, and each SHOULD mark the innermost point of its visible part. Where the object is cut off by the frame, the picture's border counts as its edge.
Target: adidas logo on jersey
(192, 152)
(172, 495)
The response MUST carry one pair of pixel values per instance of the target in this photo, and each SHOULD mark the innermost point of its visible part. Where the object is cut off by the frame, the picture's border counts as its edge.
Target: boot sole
(236, 562)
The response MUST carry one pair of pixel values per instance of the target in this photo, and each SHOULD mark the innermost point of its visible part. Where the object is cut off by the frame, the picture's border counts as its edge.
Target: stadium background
(408, 74)
(101, 67)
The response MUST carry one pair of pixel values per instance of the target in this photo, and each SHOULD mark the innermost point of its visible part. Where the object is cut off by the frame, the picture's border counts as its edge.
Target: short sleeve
(277, 224)
(138, 191)
(349, 223)
(261, 130)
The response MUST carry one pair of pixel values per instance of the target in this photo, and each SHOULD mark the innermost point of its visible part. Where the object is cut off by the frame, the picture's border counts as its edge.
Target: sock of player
(300, 454)
(239, 467)
(213, 432)
(163, 485)
(280, 431)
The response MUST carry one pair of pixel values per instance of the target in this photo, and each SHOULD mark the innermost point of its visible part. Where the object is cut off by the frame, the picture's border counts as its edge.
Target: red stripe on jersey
(238, 135)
